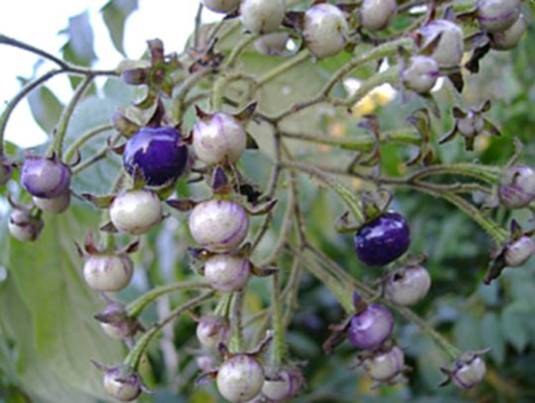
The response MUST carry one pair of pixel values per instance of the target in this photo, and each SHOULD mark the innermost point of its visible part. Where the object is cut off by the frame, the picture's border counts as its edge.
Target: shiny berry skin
(219, 225)
(44, 177)
(518, 252)
(370, 328)
(408, 286)
(285, 387)
(136, 212)
(122, 384)
(226, 272)
(219, 139)
(377, 14)
(273, 44)
(509, 39)
(325, 30)
(262, 16)
(450, 48)
(240, 378)
(469, 373)
(421, 74)
(108, 272)
(497, 15)
(23, 226)
(221, 6)
(383, 240)
(157, 154)
(212, 330)
(57, 205)
(517, 187)
(385, 365)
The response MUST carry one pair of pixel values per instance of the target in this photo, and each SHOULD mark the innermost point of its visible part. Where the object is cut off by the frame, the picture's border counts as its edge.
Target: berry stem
(484, 173)
(282, 68)
(83, 139)
(279, 344)
(237, 50)
(236, 338)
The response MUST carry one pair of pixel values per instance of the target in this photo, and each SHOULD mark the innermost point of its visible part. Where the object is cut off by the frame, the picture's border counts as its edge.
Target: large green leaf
(115, 14)
(46, 108)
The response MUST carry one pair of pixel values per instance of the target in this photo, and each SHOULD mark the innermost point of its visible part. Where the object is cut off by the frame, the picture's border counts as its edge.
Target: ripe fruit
(220, 138)
(286, 385)
(262, 16)
(108, 272)
(226, 272)
(509, 38)
(45, 178)
(383, 240)
(450, 48)
(273, 44)
(55, 205)
(325, 30)
(122, 384)
(136, 211)
(469, 372)
(221, 6)
(385, 365)
(377, 14)
(517, 187)
(421, 74)
(219, 225)
(157, 154)
(497, 15)
(371, 327)
(408, 285)
(240, 378)
(518, 252)
(212, 330)
(23, 226)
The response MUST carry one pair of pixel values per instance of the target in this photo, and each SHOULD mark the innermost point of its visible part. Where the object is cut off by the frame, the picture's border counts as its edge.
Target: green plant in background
(224, 181)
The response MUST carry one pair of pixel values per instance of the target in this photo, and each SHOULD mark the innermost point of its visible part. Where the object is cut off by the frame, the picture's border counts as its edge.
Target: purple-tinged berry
(273, 44)
(136, 212)
(211, 331)
(421, 74)
(46, 178)
(384, 366)
(450, 48)
(517, 187)
(219, 225)
(518, 252)
(157, 154)
(226, 272)
(110, 273)
(116, 323)
(262, 16)
(371, 327)
(24, 226)
(325, 30)
(122, 384)
(383, 240)
(408, 285)
(469, 371)
(206, 363)
(240, 378)
(284, 386)
(221, 6)
(220, 138)
(56, 205)
(509, 39)
(377, 14)
(497, 15)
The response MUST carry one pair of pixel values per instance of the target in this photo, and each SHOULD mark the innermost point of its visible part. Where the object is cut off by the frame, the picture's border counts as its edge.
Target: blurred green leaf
(491, 334)
(115, 14)
(46, 108)
(515, 324)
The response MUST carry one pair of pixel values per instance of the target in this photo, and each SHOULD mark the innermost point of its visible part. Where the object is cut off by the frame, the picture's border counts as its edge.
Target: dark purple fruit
(370, 328)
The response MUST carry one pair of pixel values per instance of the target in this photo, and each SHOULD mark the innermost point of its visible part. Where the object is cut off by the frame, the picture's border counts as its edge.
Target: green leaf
(45, 107)
(515, 323)
(467, 333)
(492, 336)
(79, 48)
(115, 14)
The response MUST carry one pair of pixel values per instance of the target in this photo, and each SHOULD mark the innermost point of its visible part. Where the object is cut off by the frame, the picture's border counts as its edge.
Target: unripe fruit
(56, 205)
(383, 240)
(122, 384)
(115, 331)
(377, 14)
(273, 44)
(284, 388)
(421, 74)
(509, 38)
(136, 211)
(471, 125)
(45, 178)
(23, 226)
(262, 16)
(221, 6)
(370, 328)
(517, 187)
(219, 139)
(468, 374)
(108, 272)
(206, 363)
(226, 272)
(497, 15)
(449, 50)
(408, 285)
(219, 225)
(518, 252)
(157, 154)
(385, 366)
(240, 378)
(325, 30)
(212, 330)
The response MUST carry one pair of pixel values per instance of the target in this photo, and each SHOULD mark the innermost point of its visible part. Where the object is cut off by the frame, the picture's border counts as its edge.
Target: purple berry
(226, 272)
(518, 252)
(122, 384)
(219, 225)
(23, 226)
(370, 328)
(136, 212)
(240, 378)
(509, 39)
(497, 15)
(56, 205)
(383, 240)
(116, 323)
(325, 30)
(285, 385)
(384, 366)
(157, 154)
(469, 371)
(408, 285)
(517, 187)
(108, 272)
(450, 48)
(421, 74)
(212, 330)
(377, 14)
(45, 178)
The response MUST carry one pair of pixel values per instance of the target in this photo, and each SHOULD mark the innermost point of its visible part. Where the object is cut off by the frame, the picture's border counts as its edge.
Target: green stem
(237, 50)
(100, 154)
(84, 138)
(137, 306)
(484, 173)
(282, 68)
(279, 345)
(236, 338)
(179, 103)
